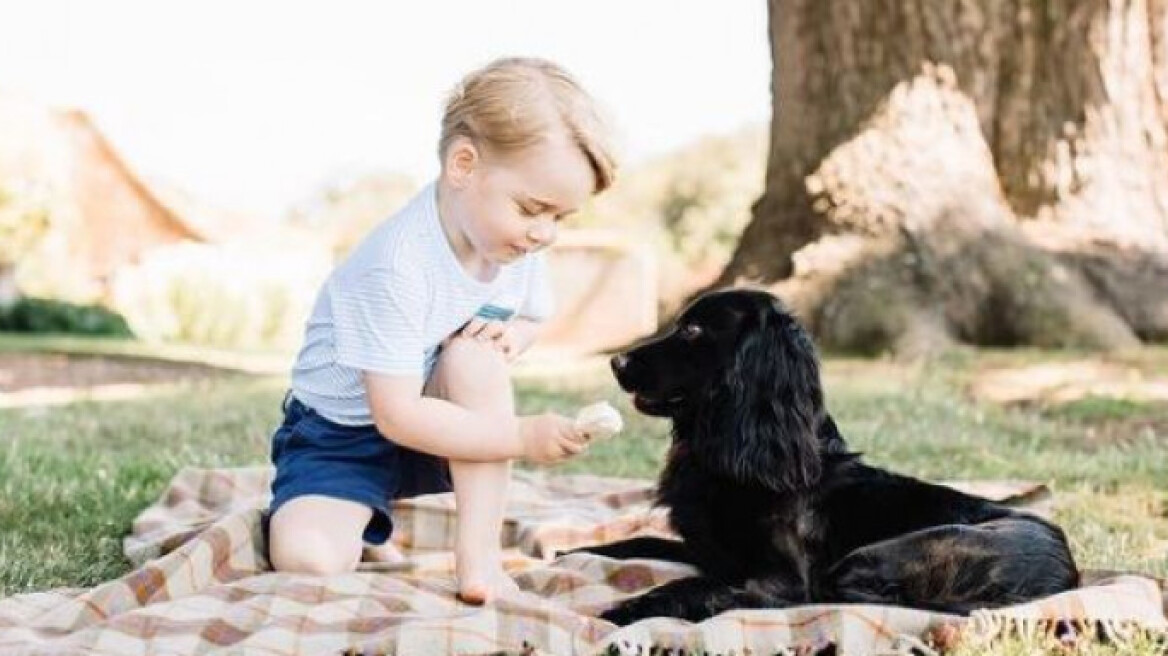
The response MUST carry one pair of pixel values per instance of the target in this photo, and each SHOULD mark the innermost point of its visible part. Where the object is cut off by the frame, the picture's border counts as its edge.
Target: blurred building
(103, 214)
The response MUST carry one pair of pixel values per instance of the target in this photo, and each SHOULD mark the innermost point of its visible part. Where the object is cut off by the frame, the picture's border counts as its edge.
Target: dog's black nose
(619, 362)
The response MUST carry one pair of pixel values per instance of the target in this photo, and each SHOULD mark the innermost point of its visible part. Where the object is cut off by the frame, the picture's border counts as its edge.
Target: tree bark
(9, 293)
(983, 171)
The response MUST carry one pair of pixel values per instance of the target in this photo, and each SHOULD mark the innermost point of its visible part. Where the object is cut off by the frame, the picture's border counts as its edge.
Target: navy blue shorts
(316, 456)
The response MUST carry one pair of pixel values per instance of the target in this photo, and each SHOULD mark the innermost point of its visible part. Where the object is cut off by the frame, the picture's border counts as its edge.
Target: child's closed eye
(528, 211)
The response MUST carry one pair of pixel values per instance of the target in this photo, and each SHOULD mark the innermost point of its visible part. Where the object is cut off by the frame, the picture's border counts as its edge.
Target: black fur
(775, 511)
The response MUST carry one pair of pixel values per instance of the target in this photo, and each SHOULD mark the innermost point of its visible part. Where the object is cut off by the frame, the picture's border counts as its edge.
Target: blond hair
(513, 103)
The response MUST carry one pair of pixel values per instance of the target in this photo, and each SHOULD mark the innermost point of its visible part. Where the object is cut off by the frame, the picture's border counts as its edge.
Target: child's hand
(550, 438)
(496, 333)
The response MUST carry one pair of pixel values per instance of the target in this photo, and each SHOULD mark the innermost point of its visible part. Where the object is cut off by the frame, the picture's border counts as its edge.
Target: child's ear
(462, 160)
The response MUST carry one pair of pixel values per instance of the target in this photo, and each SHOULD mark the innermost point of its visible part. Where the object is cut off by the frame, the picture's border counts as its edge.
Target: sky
(255, 106)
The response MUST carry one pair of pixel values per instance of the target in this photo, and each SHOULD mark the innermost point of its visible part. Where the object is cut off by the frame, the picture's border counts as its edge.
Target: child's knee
(466, 353)
(313, 535)
(469, 371)
(313, 552)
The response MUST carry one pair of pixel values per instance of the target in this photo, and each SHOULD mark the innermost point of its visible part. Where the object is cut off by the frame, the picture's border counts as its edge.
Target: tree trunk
(983, 171)
(9, 293)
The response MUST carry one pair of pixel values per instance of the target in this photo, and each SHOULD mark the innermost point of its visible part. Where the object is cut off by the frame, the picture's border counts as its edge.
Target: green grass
(73, 477)
(260, 362)
(1147, 643)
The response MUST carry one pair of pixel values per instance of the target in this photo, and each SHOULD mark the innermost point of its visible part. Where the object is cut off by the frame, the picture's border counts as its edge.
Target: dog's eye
(690, 331)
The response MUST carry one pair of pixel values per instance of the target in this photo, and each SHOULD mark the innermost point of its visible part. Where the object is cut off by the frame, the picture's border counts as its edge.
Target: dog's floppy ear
(762, 427)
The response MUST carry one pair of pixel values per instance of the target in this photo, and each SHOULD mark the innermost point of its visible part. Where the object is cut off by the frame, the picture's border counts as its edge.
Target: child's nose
(543, 232)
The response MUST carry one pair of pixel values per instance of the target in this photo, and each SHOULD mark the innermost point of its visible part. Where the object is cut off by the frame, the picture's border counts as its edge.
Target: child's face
(513, 204)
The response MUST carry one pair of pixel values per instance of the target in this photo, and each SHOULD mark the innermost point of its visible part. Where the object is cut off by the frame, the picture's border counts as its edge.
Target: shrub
(221, 295)
(42, 315)
(699, 196)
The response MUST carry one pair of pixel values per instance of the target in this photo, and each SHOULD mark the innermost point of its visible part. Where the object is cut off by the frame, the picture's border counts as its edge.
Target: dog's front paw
(650, 604)
(623, 614)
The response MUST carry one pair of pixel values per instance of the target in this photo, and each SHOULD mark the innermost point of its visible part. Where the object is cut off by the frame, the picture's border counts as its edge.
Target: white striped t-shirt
(388, 306)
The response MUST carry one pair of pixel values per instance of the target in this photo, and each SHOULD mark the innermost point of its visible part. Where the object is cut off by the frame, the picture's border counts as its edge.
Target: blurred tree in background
(701, 193)
(967, 170)
(24, 220)
(692, 203)
(349, 208)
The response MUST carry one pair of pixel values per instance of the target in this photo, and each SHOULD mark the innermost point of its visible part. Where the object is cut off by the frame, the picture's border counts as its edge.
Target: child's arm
(436, 426)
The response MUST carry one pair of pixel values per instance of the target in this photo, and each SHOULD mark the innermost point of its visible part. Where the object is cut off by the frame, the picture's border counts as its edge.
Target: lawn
(73, 476)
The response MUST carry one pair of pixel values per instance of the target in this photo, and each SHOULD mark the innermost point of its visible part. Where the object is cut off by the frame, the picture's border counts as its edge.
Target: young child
(401, 387)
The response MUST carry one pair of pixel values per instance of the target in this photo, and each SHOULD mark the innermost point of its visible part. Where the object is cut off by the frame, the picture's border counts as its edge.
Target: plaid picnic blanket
(202, 584)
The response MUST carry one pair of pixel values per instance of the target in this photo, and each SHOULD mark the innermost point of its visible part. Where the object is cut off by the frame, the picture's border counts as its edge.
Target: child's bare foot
(383, 553)
(482, 580)
(383, 558)
(481, 591)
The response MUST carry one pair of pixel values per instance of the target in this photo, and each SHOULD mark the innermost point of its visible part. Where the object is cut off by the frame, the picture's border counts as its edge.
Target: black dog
(773, 509)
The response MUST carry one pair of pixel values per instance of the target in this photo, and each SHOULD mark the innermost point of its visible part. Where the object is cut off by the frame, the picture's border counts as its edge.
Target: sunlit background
(254, 105)
(201, 166)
